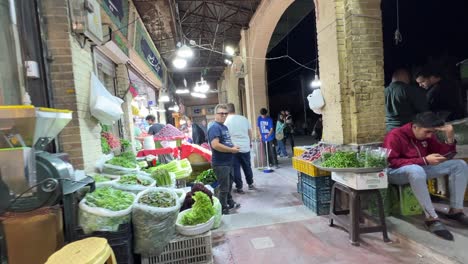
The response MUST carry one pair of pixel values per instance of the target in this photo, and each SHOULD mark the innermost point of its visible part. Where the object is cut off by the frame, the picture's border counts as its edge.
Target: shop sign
(120, 43)
(145, 48)
(117, 10)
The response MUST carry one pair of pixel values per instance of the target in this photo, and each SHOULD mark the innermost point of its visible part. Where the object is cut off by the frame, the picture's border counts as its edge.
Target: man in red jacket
(417, 156)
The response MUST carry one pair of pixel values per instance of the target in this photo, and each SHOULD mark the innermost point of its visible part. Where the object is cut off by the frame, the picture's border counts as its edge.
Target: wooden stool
(352, 224)
(93, 250)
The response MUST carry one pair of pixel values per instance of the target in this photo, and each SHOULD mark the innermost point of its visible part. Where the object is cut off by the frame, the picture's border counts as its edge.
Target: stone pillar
(351, 70)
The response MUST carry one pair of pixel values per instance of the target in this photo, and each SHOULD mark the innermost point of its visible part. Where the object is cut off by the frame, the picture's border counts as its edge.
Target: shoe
(277, 166)
(239, 191)
(459, 217)
(252, 187)
(438, 229)
(225, 211)
(234, 205)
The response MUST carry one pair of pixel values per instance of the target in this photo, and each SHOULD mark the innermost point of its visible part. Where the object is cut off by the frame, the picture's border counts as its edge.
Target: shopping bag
(103, 105)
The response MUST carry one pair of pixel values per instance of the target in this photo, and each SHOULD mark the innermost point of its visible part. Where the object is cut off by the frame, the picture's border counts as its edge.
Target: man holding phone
(417, 155)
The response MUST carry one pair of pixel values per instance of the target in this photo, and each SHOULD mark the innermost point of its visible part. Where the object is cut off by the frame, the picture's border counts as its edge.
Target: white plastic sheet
(103, 105)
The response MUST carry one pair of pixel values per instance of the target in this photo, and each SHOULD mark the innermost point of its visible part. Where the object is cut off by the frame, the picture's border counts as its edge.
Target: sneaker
(240, 191)
(438, 229)
(234, 205)
(252, 187)
(225, 211)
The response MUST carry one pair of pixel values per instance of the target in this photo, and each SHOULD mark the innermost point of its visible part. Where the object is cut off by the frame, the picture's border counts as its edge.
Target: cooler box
(362, 181)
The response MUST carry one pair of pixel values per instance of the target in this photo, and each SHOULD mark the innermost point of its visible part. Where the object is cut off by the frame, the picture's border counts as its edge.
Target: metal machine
(30, 177)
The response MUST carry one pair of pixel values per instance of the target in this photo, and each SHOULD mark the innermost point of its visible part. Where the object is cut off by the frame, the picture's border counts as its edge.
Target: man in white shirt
(241, 135)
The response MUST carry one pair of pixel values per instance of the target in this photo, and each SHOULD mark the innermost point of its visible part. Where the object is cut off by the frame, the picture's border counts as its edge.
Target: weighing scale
(30, 177)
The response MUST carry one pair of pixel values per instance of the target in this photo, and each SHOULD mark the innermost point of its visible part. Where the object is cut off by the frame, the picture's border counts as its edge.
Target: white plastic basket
(195, 229)
(182, 250)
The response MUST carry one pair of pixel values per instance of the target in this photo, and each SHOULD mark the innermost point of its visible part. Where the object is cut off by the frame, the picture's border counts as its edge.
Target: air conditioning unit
(86, 19)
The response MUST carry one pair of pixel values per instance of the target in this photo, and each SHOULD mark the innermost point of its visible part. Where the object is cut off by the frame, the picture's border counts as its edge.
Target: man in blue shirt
(267, 135)
(222, 157)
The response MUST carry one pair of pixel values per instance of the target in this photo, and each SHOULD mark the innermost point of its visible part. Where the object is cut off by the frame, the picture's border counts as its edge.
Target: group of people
(413, 117)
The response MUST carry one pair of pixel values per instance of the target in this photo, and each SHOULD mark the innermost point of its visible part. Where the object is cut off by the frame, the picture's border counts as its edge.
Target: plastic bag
(181, 193)
(102, 160)
(315, 99)
(110, 182)
(103, 105)
(153, 227)
(100, 219)
(135, 188)
(219, 213)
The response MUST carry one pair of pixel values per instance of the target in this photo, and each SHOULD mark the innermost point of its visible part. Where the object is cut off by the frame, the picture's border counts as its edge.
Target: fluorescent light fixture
(179, 63)
(185, 52)
(203, 88)
(230, 50)
(161, 110)
(182, 91)
(174, 108)
(228, 61)
(316, 83)
(198, 95)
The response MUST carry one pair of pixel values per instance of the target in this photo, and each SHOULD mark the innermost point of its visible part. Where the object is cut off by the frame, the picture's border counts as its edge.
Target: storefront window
(9, 78)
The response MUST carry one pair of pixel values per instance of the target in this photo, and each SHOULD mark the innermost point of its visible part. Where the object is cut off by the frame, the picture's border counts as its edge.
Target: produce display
(181, 168)
(105, 209)
(162, 177)
(109, 198)
(342, 159)
(158, 199)
(207, 177)
(125, 160)
(202, 210)
(111, 140)
(197, 187)
(98, 178)
(366, 158)
(169, 132)
(133, 179)
(154, 226)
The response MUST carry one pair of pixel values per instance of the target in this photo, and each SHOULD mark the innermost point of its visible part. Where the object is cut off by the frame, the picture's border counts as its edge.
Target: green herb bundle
(109, 198)
(159, 199)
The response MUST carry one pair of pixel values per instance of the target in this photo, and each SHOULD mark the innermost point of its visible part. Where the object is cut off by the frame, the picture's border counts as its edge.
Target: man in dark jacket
(443, 96)
(416, 156)
(402, 100)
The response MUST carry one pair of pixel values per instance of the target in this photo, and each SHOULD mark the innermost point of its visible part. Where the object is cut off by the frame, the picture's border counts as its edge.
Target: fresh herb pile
(207, 177)
(132, 179)
(126, 160)
(109, 198)
(342, 159)
(159, 199)
(101, 178)
(202, 210)
(161, 176)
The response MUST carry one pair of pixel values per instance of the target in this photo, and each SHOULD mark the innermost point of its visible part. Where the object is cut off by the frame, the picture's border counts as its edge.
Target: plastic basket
(308, 168)
(317, 182)
(318, 207)
(298, 151)
(182, 250)
(322, 194)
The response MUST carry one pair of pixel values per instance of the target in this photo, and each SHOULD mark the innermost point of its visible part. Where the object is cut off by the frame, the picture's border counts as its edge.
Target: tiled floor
(273, 227)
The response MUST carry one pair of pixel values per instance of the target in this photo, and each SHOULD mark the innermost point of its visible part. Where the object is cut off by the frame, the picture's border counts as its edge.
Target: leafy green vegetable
(342, 159)
(185, 164)
(172, 166)
(162, 177)
(133, 179)
(100, 178)
(207, 177)
(160, 199)
(105, 146)
(109, 198)
(122, 162)
(202, 210)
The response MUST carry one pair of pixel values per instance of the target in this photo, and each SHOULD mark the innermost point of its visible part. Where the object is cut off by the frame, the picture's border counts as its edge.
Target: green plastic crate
(409, 205)
(397, 200)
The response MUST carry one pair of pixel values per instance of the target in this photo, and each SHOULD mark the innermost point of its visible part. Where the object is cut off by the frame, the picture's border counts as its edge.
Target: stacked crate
(316, 193)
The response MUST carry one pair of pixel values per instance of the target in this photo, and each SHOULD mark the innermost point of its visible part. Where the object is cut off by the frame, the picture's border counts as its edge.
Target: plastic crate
(308, 168)
(397, 200)
(120, 241)
(184, 250)
(409, 205)
(299, 183)
(444, 194)
(317, 182)
(298, 151)
(322, 194)
(318, 207)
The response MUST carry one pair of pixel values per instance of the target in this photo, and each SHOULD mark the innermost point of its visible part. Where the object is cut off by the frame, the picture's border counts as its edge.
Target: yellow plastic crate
(307, 168)
(432, 186)
(298, 151)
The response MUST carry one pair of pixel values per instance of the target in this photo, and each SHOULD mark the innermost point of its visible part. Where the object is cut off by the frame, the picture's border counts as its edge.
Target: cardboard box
(362, 181)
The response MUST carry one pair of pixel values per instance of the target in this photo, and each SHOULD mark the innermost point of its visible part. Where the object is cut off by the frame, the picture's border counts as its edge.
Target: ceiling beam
(195, 69)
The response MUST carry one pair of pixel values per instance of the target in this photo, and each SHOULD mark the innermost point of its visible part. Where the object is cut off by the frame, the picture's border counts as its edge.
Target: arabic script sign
(145, 48)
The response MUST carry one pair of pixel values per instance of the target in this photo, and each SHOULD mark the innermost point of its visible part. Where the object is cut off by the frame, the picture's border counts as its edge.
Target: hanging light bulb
(174, 108)
(230, 50)
(316, 83)
(179, 63)
(185, 52)
(198, 95)
(203, 88)
(228, 61)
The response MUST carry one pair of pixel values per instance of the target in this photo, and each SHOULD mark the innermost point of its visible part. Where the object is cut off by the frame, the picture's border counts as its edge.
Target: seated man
(417, 156)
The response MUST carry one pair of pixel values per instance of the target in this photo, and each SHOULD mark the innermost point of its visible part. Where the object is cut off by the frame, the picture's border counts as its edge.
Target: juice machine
(31, 177)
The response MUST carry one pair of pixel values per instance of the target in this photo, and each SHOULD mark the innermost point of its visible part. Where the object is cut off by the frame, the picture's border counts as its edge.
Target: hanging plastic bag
(219, 213)
(153, 226)
(103, 105)
(316, 101)
(100, 219)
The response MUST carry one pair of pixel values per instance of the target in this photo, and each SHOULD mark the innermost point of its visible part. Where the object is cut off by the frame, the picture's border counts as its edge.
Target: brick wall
(351, 67)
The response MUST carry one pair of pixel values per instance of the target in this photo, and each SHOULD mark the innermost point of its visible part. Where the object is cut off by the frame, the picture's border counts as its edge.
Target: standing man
(443, 96)
(241, 135)
(289, 129)
(266, 133)
(154, 127)
(416, 156)
(402, 100)
(222, 156)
